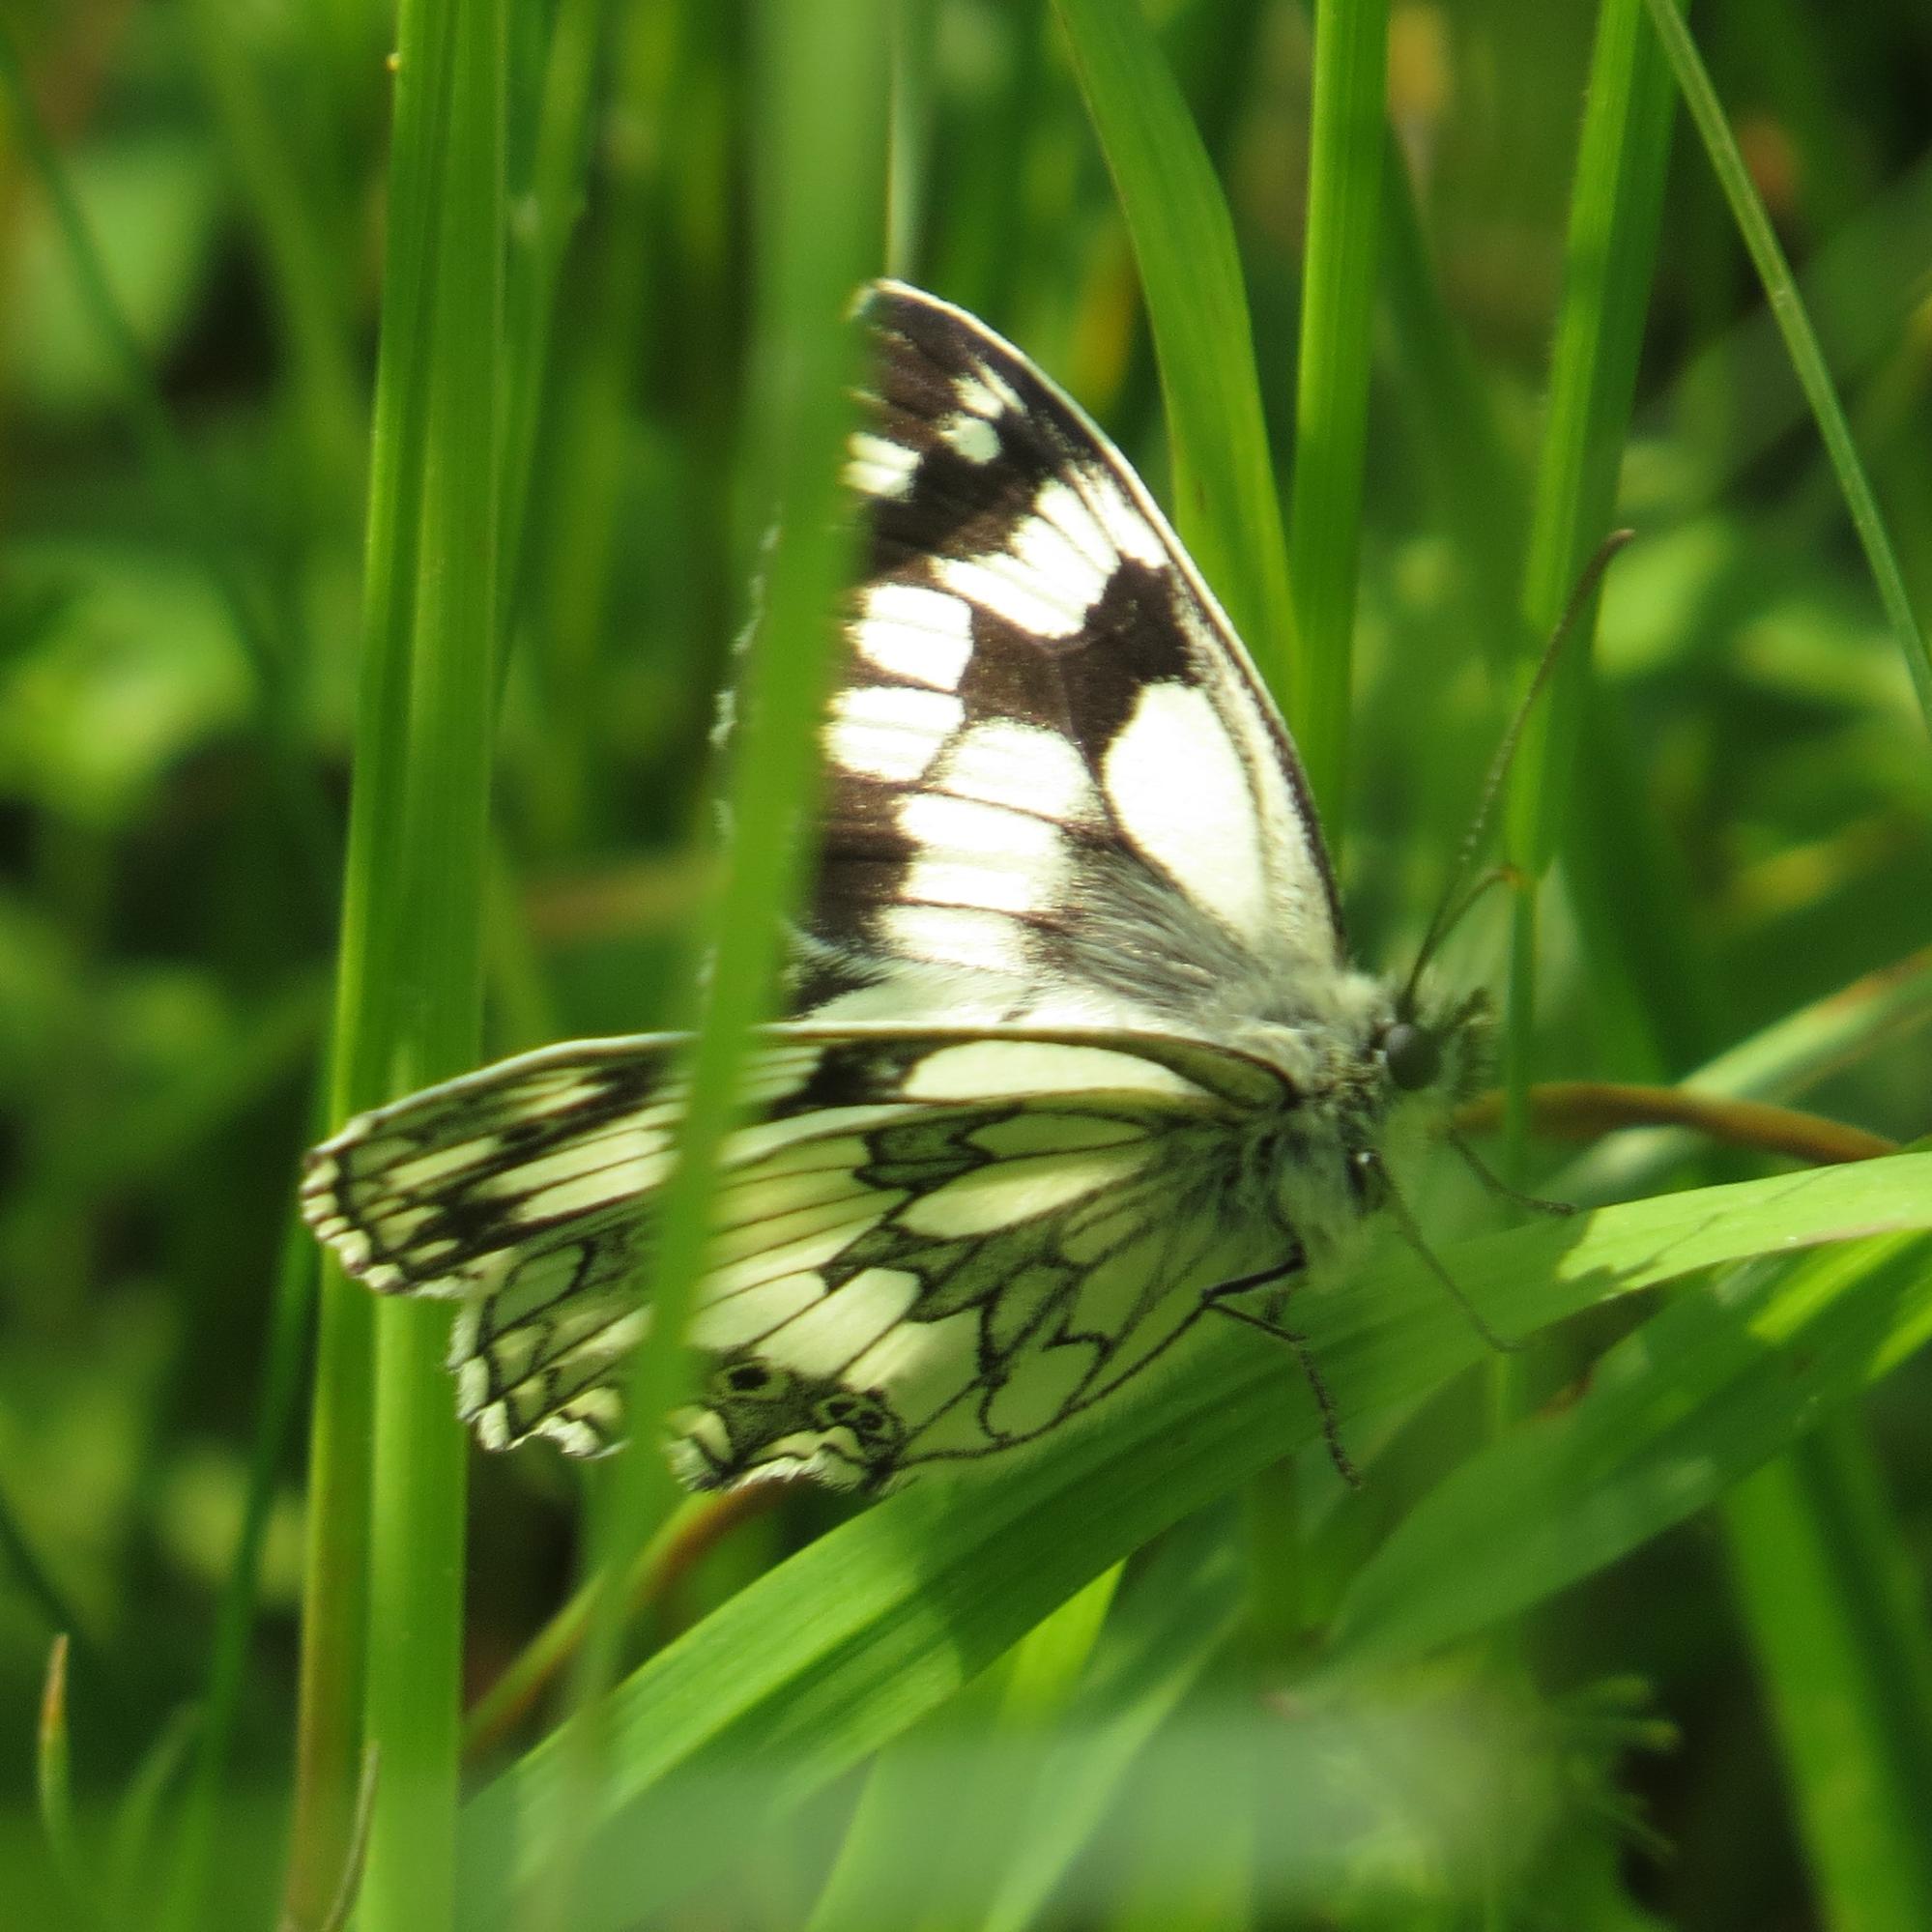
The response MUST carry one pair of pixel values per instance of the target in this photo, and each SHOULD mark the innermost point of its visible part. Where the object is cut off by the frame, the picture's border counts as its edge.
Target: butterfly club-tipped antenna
(1460, 893)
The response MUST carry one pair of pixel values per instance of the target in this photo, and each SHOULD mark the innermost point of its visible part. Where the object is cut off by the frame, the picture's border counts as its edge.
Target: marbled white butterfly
(1079, 1054)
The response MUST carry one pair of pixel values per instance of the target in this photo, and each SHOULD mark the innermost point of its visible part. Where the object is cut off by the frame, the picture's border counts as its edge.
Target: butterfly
(1077, 1056)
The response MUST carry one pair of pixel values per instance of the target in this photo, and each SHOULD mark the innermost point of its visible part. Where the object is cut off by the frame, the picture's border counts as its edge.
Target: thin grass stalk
(579, 527)
(823, 86)
(539, 242)
(415, 1552)
(1477, 482)
(1025, 1693)
(911, 134)
(1808, 358)
(329, 1694)
(1828, 1587)
(1224, 498)
(53, 1781)
(303, 281)
(31, 1578)
(185, 1904)
(1615, 208)
(1347, 144)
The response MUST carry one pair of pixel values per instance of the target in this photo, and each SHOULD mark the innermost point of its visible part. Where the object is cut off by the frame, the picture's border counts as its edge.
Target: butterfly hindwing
(931, 1245)
(1046, 738)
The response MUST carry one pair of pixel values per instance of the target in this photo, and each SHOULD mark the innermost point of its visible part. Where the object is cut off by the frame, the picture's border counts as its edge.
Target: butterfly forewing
(1046, 738)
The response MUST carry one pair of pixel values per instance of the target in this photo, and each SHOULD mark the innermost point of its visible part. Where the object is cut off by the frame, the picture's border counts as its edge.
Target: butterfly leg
(1219, 1300)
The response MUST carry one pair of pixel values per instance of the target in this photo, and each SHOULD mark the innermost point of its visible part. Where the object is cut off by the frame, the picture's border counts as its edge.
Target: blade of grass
(413, 1707)
(1480, 490)
(335, 1570)
(547, 218)
(131, 1874)
(1705, 1392)
(823, 75)
(1224, 501)
(1615, 204)
(1176, 1619)
(1834, 1607)
(1347, 141)
(1808, 358)
(369, 1010)
(303, 281)
(913, 27)
(837, 1650)
(55, 1786)
(872, 1882)
(31, 1574)
(186, 1903)
(577, 527)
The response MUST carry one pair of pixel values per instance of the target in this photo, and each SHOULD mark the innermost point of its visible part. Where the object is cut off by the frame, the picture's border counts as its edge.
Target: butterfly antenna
(1457, 896)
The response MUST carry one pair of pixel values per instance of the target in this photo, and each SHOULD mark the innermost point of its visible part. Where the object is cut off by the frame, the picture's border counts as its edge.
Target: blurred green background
(191, 229)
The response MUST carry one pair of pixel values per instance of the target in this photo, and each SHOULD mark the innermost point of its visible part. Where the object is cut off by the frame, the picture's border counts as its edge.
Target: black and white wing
(1058, 790)
(934, 1245)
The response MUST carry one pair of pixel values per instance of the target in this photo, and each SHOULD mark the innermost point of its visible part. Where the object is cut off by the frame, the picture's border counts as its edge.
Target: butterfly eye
(1413, 1056)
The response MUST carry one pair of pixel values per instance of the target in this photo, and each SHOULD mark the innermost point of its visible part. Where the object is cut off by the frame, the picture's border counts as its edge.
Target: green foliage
(377, 431)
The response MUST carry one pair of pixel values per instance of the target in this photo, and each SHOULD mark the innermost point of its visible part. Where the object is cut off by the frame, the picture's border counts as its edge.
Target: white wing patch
(890, 731)
(920, 635)
(1181, 794)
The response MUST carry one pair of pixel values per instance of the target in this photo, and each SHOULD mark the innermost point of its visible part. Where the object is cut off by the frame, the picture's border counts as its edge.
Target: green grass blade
(1347, 142)
(825, 76)
(1615, 204)
(409, 1012)
(539, 241)
(1834, 1609)
(185, 1904)
(1808, 358)
(872, 1880)
(304, 281)
(1224, 501)
(132, 1872)
(1173, 1623)
(31, 1578)
(335, 1608)
(574, 532)
(415, 1546)
(1704, 1393)
(54, 1784)
(839, 1649)
(1478, 488)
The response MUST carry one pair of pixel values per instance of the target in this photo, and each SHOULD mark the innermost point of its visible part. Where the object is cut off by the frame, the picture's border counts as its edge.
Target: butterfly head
(1437, 1049)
